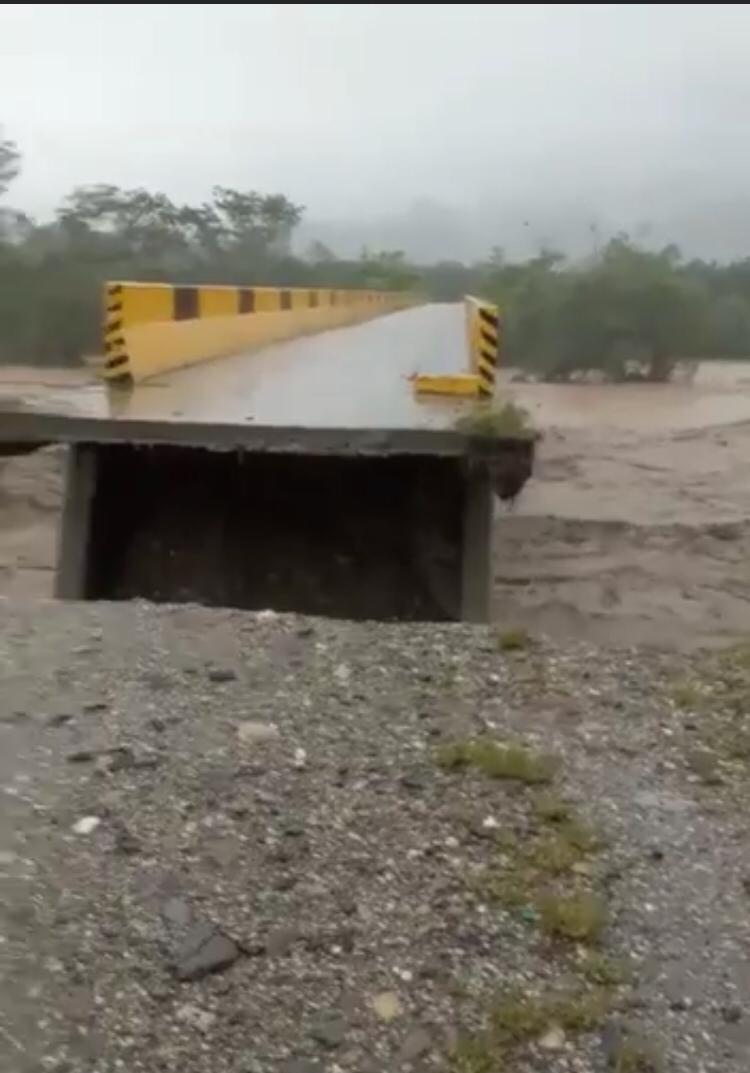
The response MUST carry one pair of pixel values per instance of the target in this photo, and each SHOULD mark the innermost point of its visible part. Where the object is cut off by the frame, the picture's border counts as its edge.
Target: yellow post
(484, 343)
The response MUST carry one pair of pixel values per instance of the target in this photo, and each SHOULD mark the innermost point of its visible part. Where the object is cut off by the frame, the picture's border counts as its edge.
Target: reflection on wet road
(354, 377)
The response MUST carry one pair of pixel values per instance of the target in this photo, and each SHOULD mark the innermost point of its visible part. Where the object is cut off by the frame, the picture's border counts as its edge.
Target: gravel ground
(226, 845)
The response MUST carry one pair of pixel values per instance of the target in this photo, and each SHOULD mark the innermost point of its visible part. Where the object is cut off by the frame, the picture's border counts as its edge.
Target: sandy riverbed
(635, 528)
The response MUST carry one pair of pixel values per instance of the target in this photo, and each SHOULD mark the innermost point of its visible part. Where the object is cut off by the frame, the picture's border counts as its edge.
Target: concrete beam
(74, 536)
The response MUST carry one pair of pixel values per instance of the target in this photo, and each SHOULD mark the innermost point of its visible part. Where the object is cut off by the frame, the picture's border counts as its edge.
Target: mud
(634, 529)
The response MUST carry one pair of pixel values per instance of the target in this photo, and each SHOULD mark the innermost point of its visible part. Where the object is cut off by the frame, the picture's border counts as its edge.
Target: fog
(442, 130)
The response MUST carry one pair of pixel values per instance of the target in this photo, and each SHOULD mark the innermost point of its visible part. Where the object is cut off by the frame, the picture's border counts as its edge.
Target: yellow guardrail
(483, 352)
(150, 328)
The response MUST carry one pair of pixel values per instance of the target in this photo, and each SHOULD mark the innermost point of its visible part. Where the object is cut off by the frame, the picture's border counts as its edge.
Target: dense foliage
(626, 311)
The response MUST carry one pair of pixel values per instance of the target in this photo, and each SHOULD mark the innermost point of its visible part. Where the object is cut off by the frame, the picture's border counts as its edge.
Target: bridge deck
(346, 388)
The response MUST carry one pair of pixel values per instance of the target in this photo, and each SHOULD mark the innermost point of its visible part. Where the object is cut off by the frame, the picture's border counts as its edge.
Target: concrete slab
(346, 391)
(354, 377)
(305, 476)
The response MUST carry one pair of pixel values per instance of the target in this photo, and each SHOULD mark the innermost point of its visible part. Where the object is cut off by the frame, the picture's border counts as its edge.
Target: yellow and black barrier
(483, 346)
(150, 328)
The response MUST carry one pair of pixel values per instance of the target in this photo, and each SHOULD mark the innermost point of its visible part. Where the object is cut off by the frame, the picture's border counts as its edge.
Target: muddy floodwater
(635, 528)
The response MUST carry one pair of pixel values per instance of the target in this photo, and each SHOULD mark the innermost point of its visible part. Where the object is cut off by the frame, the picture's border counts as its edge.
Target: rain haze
(442, 131)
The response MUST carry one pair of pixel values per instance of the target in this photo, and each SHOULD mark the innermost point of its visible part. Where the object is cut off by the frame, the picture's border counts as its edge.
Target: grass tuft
(551, 809)
(578, 917)
(517, 1018)
(497, 761)
(635, 1056)
(687, 696)
(497, 422)
(514, 640)
(476, 1054)
(602, 970)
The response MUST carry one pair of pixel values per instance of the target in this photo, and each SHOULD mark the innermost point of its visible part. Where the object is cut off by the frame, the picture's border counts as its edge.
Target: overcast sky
(622, 114)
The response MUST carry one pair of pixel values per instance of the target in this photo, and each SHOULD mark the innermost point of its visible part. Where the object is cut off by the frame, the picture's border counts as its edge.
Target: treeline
(625, 310)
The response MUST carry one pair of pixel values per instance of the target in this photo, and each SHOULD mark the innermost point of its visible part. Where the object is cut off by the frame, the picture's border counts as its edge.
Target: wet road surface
(354, 377)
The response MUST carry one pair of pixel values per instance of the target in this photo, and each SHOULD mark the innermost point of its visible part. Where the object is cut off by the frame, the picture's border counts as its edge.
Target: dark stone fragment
(280, 940)
(126, 842)
(176, 912)
(731, 1014)
(414, 782)
(418, 1042)
(329, 1031)
(221, 674)
(59, 719)
(612, 1039)
(204, 950)
(80, 756)
(284, 883)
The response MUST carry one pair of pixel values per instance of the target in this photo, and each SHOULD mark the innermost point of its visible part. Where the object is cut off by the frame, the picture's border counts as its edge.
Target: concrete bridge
(272, 448)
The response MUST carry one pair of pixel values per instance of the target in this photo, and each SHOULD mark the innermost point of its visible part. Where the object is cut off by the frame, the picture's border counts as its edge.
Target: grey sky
(620, 115)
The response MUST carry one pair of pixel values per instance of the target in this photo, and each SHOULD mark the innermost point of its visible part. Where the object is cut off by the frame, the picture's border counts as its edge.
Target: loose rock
(329, 1031)
(253, 733)
(204, 950)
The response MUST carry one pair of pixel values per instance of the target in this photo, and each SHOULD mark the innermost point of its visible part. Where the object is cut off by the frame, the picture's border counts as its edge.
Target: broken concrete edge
(11, 450)
(20, 433)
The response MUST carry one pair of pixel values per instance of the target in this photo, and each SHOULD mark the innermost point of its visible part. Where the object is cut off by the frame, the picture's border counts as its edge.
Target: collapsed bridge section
(305, 475)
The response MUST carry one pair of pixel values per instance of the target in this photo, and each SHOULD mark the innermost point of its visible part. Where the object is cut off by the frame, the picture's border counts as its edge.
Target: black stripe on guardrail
(185, 304)
(312, 299)
(488, 338)
(285, 299)
(246, 302)
(116, 362)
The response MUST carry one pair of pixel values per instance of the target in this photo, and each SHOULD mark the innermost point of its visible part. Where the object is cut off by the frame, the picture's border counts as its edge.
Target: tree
(10, 162)
(257, 222)
(320, 254)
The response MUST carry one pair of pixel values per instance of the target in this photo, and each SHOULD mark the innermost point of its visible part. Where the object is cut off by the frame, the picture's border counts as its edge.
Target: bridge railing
(151, 328)
(482, 352)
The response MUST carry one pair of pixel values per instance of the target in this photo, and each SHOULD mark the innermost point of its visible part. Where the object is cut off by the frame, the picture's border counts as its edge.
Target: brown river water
(634, 529)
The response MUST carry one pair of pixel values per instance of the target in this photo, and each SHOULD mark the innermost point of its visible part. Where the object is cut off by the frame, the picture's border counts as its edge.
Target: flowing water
(635, 528)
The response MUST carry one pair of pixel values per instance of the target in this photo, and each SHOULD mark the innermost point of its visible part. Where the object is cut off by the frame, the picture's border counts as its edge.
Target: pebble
(267, 615)
(280, 940)
(205, 949)
(553, 1039)
(192, 1015)
(125, 841)
(254, 733)
(59, 719)
(732, 1014)
(329, 1031)
(80, 756)
(387, 1005)
(176, 912)
(86, 825)
(418, 1042)
(222, 674)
